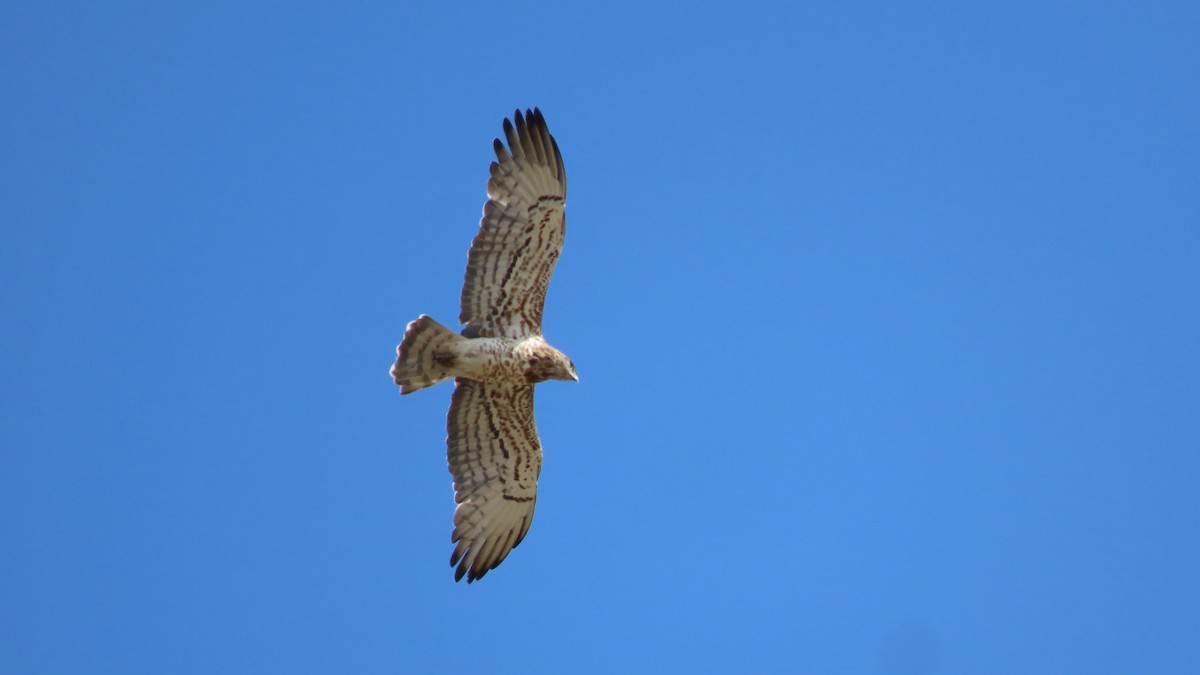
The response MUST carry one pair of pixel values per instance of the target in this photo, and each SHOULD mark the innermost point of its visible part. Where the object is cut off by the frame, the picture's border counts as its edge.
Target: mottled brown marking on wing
(520, 236)
(495, 457)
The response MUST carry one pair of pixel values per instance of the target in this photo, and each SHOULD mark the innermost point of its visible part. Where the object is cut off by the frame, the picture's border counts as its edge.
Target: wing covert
(520, 235)
(495, 457)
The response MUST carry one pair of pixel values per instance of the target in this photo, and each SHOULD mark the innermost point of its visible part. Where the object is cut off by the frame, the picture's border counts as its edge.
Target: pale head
(547, 363)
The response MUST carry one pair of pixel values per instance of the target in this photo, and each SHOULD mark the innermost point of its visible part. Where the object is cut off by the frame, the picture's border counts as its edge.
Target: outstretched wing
(520, 235)
(495, 457)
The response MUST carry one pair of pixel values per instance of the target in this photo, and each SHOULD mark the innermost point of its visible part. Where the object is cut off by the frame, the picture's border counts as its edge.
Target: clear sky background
(886, 316)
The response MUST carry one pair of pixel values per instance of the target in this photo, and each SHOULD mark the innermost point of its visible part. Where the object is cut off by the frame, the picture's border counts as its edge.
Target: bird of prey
(493, 448)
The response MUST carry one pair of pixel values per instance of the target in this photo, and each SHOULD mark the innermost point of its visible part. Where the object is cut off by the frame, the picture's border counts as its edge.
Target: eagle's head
(547, 363)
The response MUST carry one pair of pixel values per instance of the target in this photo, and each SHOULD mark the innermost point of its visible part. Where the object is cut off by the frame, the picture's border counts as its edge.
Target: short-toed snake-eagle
(494, 451)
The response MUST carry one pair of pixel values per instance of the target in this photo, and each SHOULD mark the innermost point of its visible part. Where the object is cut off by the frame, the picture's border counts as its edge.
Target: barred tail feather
(426, 356)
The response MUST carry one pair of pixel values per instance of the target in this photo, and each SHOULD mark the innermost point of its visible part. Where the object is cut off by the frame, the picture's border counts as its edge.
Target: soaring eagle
(494, 452)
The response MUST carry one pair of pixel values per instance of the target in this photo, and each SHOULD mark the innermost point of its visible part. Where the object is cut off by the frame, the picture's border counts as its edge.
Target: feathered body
(430, 353)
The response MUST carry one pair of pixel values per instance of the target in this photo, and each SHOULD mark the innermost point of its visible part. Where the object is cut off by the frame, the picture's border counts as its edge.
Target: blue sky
(886, 319)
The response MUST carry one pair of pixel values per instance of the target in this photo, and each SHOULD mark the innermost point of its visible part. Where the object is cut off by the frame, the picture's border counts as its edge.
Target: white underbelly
(490, 359)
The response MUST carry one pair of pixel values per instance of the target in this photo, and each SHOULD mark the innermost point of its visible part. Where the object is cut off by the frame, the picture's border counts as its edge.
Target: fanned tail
(426, 356)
